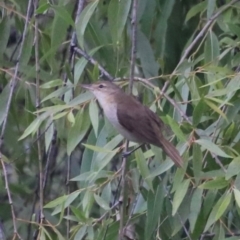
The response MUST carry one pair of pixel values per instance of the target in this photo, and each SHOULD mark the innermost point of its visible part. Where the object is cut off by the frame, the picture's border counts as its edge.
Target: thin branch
(81, 4)
(12, 86)
(124, 160)
(10, 200)
(197, 38)
(71, 59)
(172, 101)
(40, 163)
(134, 44)
(114, 201)
(106, 213)
(177, 213)
(93, 61)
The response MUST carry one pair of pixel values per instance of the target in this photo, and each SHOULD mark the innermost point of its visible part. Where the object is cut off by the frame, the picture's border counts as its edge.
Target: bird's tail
(172, 152)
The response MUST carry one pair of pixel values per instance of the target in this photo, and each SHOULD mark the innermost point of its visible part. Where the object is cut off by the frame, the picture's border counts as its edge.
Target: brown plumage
(133, 120)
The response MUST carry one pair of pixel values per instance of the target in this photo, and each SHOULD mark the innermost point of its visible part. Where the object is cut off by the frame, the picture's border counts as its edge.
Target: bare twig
(197, 38)
(134, 44)
(179, 216)
(12, 86)
(40, 163)
(124, 163)
(173, 102)
(80, 7)
(93, 61)
(105, 214)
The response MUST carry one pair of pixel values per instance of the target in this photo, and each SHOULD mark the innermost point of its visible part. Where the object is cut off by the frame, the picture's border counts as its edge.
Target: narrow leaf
(117, 16)
(83, 21)
(94, 116)
(212, 147)
(218, 210)
(78, 131)
(233, 168)
(143, 167)
(237, 196)
(218, 183)
(179, 195)
(101, 202)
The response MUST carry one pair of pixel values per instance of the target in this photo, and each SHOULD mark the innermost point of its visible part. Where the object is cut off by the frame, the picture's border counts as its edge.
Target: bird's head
(104, 91)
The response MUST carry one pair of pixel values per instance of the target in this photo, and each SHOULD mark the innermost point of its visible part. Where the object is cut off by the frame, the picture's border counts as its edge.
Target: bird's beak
(87, 86)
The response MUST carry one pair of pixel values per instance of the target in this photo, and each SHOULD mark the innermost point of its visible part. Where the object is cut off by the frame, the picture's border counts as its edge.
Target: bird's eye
(101, 86)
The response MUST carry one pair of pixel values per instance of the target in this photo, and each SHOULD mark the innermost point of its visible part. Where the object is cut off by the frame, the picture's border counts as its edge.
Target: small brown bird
(133, 120)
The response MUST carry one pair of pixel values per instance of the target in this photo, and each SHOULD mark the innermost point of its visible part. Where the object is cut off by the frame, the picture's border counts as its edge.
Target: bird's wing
(146, 126)
(140, 121)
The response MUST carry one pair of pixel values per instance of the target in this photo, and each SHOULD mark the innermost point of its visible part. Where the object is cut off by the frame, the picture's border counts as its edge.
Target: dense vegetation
(61, 165)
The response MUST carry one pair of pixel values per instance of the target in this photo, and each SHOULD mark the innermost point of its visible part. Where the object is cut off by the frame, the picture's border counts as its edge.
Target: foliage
(70, 139)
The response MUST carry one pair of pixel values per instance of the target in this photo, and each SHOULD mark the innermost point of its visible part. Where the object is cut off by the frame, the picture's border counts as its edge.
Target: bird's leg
(126, 154)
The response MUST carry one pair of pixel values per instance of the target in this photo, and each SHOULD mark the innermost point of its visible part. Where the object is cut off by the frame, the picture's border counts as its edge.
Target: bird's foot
(126, 154)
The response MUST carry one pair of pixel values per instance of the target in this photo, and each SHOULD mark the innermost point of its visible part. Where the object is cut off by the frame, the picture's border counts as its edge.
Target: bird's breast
(110, 110)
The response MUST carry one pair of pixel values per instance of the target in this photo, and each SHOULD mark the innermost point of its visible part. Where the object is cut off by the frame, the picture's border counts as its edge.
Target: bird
(135, 121)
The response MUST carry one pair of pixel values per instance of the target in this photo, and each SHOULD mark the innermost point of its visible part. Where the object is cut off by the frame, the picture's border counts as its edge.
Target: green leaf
(94, 116)
(212, 147)
(178, 178)
(179, 195)
(51, 84)
(217, 183)
(59, 115)
(195, 9)
(49, 131)
(59, 92)
(210, 8)
(32, 128)
(162, 27)
(218, 210)
(215, 108)
(198, 112)
(211, 48)
(78, 69)
(195, 207)
(103, 158)
(176, 129)
(42, 8)
(82, 98)
(97, 149)
(213, 174)
(197, 161)
(71, 118)
(3, 102)
(78, 214)
(83, 21)
(81, 64)
(58, 33)
(78, 130)
(237, 196)
(101, 202)
(163, 167)
(81, 233)
(154, 208)
(27, 49)
(4, 35)
(56, 202)
(117, 17)
(143, 167)
(233, 168)
(149, 65)
(64, 14)
(81, 177)
(71, 197)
